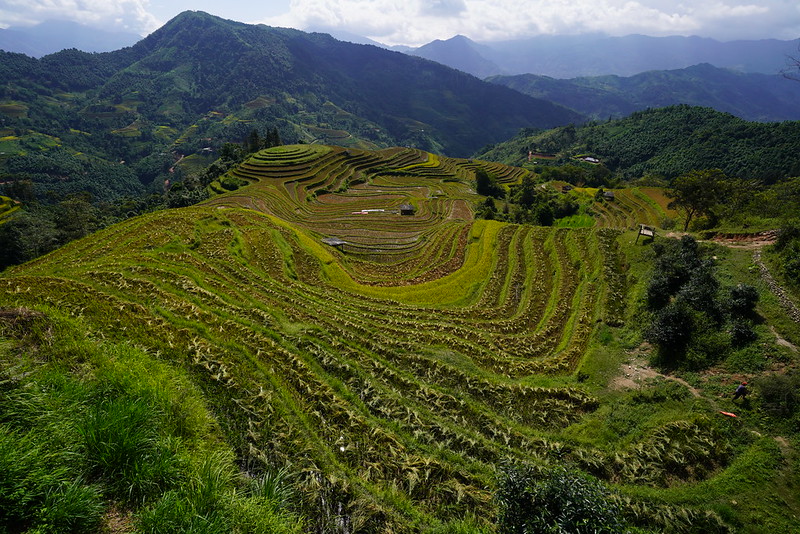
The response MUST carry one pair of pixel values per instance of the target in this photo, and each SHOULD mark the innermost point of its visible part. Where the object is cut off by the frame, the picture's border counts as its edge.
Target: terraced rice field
(393, 374)
(630, 207)
(7, 207)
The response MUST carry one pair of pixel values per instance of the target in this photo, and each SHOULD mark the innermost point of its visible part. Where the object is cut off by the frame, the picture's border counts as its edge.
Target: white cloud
(416, 22)
(443, 8)
(127, 15)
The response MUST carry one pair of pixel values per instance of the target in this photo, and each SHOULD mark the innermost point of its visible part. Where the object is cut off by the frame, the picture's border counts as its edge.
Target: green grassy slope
(395, 374)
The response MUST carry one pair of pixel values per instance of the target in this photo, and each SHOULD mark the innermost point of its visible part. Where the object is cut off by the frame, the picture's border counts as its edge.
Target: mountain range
(170, 103)
(201, 81)
(568, 56)
(55, 35)
(751, 96)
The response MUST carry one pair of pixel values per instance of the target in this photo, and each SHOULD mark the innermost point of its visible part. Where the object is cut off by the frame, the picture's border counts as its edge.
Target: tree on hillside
(696, 193)
(486, 184)
(692, 320)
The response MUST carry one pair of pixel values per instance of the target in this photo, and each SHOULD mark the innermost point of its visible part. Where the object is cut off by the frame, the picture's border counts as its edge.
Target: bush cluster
(694, 322)
(560, 499)
(526, 203)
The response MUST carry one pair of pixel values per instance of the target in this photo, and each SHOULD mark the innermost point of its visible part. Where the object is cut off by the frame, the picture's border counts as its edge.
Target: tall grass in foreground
(86, 427)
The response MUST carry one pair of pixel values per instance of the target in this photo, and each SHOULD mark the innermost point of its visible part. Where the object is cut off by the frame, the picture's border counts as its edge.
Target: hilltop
(342, 319)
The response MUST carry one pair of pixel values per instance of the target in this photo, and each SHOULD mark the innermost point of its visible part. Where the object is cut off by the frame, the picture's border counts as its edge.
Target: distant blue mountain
(460, 53)
(56, 35)
(751, 96)
(560, 56)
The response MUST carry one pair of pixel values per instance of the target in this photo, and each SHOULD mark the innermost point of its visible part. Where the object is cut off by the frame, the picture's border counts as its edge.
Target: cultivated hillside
(395, 369)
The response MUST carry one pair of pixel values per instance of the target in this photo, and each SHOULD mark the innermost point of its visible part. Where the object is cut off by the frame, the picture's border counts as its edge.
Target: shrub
(560, 500)
(671, 330)
(231, 183)
(780, 394)
(742, 332)
(742, 300)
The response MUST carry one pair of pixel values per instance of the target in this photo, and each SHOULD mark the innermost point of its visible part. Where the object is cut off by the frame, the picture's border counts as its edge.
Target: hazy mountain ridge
(569, 56)
(55, 35)
(460, 53)
(751, 96)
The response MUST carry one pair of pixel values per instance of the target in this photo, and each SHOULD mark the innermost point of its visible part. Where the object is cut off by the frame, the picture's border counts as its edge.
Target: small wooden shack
(608, 195)
(334, 242)
(646, 231)
(407, 209)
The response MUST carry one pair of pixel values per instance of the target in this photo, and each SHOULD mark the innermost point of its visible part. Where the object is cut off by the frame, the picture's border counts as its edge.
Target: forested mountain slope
(201, 81)
(668, 142)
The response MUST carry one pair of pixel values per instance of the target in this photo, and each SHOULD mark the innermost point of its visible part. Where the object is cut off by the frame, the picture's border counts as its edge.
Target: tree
(28, 235)
(742, 300)
(253, 142)
(696, 193)
(671, 331)
(75, 217)
(486, 184)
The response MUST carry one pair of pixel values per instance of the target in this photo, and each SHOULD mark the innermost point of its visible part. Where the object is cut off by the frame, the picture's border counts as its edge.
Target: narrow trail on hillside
(791, 308)
(636, 371)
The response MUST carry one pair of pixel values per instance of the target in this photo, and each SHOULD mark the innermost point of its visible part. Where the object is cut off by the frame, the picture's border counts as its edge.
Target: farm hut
(407, 209)
(646, 231)
(566, 189)
(608, 195)
(334, 242)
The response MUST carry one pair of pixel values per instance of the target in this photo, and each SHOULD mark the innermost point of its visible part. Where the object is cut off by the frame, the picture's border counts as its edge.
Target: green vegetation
(389, 380)
(665, 142)
(94, 432)
(564, 501)
(693, 326)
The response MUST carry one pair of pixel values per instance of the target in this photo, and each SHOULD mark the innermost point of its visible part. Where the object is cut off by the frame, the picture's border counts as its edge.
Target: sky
(416, 22)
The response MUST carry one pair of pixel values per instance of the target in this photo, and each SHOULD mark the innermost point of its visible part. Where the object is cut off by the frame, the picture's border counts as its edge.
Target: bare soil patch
(461, 210)
(635, 373)
(747, 241)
